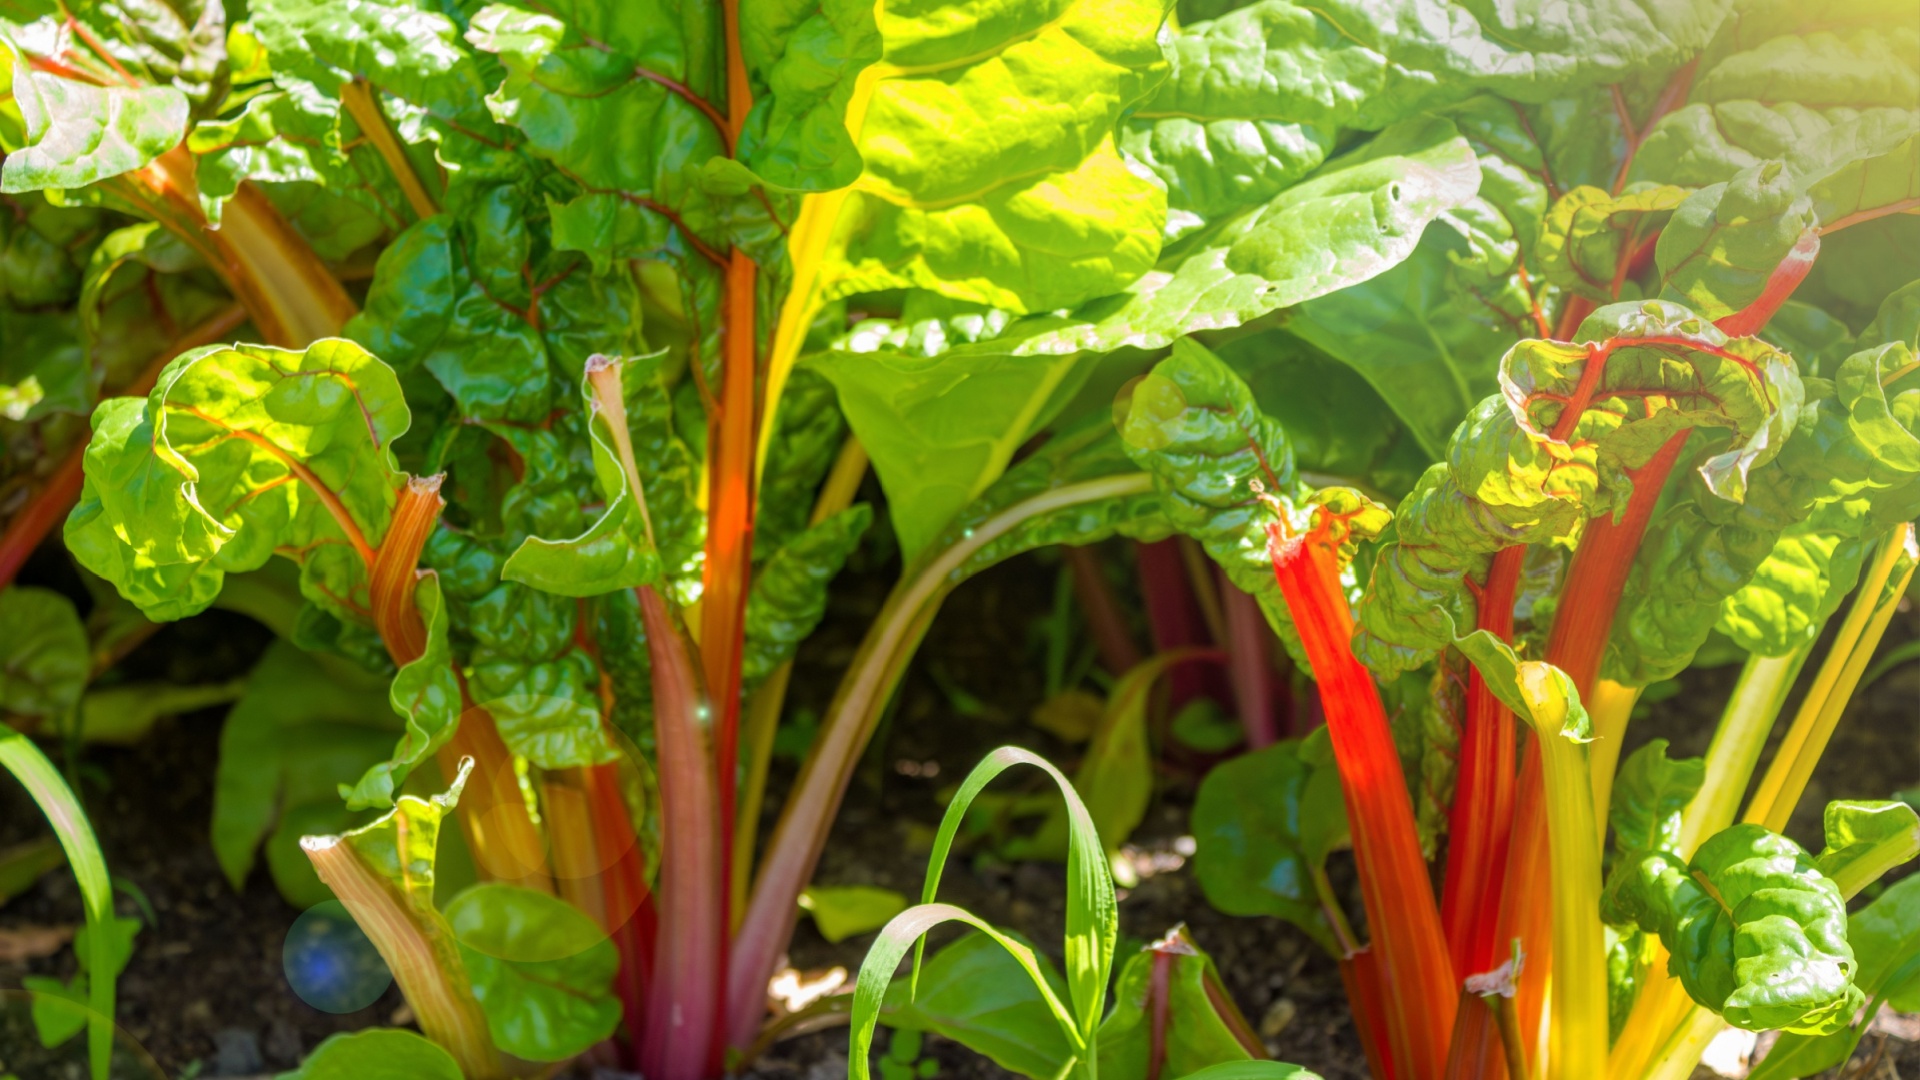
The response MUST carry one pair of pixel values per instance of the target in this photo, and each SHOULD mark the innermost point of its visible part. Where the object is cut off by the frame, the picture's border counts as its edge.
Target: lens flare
(330, 964)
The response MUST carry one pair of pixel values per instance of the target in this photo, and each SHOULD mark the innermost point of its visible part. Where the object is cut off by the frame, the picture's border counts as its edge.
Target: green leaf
(1507, 480)
(992, 172)
(305, 725)
(1794, 1056)
(1255, 101)
(1649, 793)
(542, 970)
(1202, 1025)
(1263, 824)
(1866, 839)
(1757, 933)
(1408, 333)
(620, 549)
(1800, 584)
(809, 431)
(74, 133)
(376, 1054)
(1887, 935)
(237, 452)
(46, 661)
(976, 993)
(1723, 242)
(1589, 235)
(844, 911)
(788, 596)
(1194, 425)
(426, 694)
(940, 429)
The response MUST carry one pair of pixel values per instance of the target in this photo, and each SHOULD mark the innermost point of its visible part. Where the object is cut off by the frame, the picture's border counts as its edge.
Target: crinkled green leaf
(46, 659)
(1426, 714)
(1202, 1025)
(1194, 425)
(1756, 932)
(1813, 565)
(808, 432)
(1589, 236)
(1508, 481)
(137, 278)
(940, 429)
(217, 469)
(543, 971)
(1263, 824)
(376, 1054)
(75, 133)
(788, 596)
(627, 545)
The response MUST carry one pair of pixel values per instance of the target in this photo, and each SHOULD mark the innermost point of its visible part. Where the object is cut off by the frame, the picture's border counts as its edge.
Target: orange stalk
(1415, 966)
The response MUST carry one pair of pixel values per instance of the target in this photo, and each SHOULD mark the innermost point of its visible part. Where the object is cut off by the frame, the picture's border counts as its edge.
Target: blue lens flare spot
(330, 963)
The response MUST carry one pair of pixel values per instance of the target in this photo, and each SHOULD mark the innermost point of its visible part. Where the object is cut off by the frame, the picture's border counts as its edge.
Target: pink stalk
(1250, 664)
(1175, 619)
(683, 1005)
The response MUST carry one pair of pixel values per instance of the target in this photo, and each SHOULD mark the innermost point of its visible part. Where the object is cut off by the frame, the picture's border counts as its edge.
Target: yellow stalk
(807, 244)
(358, 98)
(1610, 706)
(1806, 740)
(1737, 742)
(1577, 1039)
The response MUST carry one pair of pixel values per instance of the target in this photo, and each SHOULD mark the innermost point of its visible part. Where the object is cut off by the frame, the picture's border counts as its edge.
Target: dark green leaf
(46, 659)
(1197, 1034)
(976, 994)
(1649, 793)
(1263, 823)
(788, 596)
(542, 970)
(376, 1054)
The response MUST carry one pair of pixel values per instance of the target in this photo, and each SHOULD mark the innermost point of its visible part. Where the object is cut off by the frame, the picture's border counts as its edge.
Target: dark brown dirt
(204, 993)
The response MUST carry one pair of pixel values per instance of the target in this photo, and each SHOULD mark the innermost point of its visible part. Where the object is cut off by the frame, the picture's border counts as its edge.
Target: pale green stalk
(1737, 742)
(24, 760)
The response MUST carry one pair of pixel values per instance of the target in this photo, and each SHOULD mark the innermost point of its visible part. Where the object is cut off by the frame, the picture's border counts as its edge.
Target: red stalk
(1591, 595)
(729, 554)
(685, 999)
(1780, 285)
(1105, 621)
(51, 504)
(1416, 970)
(1250, 664)
(1157, 1012)
(1477, 1052)
(1360, 974)
(1175, 621)
(1481, 821)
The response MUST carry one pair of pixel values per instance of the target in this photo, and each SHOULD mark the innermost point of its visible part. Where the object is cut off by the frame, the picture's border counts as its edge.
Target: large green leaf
(73, 133)
(306, 725)
(992, 172)
(1866, 839)
(1263, 825)
(542, 970)
(939, 429)
(1757, 933)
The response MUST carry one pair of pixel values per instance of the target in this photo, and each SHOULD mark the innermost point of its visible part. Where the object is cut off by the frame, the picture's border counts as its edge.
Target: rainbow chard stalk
(1192, 421)
(621, 551)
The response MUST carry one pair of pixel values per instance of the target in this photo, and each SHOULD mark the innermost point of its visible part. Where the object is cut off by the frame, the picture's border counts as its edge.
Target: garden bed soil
(204, 994)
